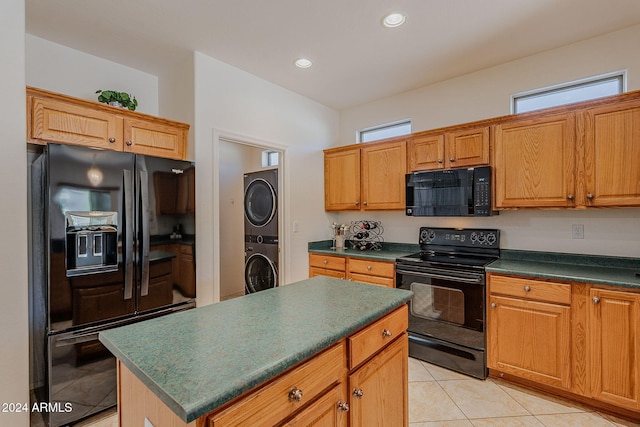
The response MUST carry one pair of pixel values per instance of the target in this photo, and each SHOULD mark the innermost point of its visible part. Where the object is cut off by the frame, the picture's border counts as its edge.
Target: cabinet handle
(527, 288)
(596, 300)
(570, 197)
(493, 305)
(590, 196)
(452, 160)
(112, 140)
(343, 406)
(295, 394)
(129, 143)
(386, 333)
(358, 393)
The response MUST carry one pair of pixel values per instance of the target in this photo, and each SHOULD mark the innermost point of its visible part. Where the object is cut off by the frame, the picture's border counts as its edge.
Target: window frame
(621, 76)
(389, 125)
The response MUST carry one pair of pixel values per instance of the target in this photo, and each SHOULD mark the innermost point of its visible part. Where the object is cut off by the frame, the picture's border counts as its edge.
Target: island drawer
(538, 290)
(373, 338)
(374, 268)
(287, 394)
(327, 261)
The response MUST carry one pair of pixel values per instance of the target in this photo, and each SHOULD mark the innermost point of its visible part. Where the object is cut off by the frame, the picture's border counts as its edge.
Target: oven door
(446, 305)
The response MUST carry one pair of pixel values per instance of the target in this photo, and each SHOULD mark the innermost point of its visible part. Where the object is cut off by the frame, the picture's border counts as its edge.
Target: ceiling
(356, 60)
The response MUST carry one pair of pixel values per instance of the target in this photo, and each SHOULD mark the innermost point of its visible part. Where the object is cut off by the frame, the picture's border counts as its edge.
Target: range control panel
(468, 237)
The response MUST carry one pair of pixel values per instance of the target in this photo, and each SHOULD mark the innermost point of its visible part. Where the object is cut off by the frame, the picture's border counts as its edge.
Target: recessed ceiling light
(303, 63)
(394, 19)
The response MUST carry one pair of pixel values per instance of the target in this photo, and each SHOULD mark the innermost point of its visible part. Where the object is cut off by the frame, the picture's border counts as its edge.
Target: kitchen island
(287, 354)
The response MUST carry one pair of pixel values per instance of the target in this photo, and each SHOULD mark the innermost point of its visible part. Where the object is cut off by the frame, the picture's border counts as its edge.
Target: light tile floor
(442, 398)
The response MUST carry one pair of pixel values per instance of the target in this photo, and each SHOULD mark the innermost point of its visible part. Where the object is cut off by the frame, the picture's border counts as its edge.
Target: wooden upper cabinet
(614, 347)
(611, 155)
(53, 117)
(155, 139)
(534, 161)
(452, 149)
(342, 180)
(371, 177)
(383, 176)
(52, 120)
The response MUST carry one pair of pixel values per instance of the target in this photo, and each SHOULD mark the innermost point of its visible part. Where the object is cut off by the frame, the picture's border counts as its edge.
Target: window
(270, 158)
(389, 130)
(568, 93)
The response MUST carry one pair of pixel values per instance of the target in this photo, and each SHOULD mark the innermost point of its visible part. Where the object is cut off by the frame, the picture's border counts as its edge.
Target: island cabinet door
(379, 389)
(331, 410)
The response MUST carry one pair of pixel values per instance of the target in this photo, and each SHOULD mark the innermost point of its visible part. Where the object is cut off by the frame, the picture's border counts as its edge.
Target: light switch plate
(577, 231)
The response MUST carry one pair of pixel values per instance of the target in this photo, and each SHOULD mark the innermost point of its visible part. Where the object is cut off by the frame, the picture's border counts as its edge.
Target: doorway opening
(239, 159)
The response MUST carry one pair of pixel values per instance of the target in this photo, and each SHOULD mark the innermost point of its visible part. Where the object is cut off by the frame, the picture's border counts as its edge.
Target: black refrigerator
(112, 242)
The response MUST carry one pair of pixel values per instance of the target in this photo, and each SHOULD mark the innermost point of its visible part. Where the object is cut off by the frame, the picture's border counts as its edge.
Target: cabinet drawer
(271, 404)
(372, 280)
(373, 268)
(531, 289)
(327, 261)
(315, 271)
(374, 337)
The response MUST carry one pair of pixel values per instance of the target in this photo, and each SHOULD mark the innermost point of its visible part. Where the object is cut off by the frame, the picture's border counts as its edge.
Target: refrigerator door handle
(128, 234)
(144, 196)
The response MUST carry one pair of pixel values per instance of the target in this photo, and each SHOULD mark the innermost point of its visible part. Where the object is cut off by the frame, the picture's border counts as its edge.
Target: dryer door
(259, 202)
(259, 273)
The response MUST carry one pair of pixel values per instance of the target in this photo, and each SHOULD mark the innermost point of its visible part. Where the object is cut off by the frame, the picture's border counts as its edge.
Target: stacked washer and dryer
(260, 230)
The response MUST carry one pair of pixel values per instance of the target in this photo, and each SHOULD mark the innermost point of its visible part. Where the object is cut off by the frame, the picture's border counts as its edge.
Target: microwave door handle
(128, 234)
(441, 276)
(144, 207)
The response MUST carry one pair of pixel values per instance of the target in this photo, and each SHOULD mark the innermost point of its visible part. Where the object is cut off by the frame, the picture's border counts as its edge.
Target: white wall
(61, 69)
(486, 94)
(229, 100)
(14, 351)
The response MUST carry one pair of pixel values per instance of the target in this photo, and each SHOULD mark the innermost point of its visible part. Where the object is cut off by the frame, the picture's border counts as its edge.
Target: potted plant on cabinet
(117, 99)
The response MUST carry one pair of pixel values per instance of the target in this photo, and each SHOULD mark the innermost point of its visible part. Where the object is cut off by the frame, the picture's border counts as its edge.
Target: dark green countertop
(197, 360)
(389, 251)
(615, 271)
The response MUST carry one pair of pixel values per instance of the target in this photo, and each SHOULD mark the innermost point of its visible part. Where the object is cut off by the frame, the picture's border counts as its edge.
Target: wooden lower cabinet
(614, 347)
(575, 339)
(377, 388)
(357, 269)
(348, 384)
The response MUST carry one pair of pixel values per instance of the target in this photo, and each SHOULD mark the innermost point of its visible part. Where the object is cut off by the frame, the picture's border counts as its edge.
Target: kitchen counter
(389, 251)
(570, 267)
(197, 360)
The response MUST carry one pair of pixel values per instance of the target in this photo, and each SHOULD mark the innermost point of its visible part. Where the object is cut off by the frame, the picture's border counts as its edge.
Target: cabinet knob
(590, 196)
(112, 140)
(365, 203)
(596, 300)
(452, 160)
(386, 333)
(295, 394)
(357, 203)
(129, 143)
(369, 267)
(527, 288)
(343, 406)
(570, 197)
(325, 262)
(358, 393)
(440, 161)
(493, 305)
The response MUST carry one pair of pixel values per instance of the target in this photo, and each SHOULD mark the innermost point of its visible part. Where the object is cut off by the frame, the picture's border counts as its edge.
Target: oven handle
(441, 276)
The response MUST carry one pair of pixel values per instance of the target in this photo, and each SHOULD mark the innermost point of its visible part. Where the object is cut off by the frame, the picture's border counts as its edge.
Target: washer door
(259, 202)
(259, 274)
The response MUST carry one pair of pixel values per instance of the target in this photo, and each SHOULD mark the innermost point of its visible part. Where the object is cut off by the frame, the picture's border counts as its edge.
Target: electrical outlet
(577, 231)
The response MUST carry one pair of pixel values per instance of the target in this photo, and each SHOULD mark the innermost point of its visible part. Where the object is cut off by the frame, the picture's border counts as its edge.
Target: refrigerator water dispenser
(92, 242)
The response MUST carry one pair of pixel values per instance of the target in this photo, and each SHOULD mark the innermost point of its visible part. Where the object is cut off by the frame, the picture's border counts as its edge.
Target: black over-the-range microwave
(454, 192)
